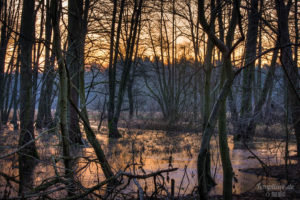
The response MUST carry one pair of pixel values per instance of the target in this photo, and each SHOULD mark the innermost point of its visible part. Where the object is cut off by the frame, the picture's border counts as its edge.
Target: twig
(264, 165)
(113, 178)
(25, 145)
(141, 192)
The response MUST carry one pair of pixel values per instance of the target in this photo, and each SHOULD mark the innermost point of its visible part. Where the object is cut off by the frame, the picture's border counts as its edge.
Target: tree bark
(127, 66)
(15, 99)
(37, 54)
(44, 117)
(26, 158)
(63, 86)
(268, 84)
(130, 96)
(248, 78)
(289, 67)
(3, 47)
(113, 57)
(208, 71)
(132, 75)
(220, 106)
(201, 160)
(73, 59)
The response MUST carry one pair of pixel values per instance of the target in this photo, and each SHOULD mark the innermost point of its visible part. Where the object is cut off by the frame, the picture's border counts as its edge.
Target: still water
(144, 151)
(157, 150)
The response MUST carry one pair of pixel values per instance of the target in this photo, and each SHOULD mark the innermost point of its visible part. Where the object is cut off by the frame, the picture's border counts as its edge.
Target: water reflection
(148, 151)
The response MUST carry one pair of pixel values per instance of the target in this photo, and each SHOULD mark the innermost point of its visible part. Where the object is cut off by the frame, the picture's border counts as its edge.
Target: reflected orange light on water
(149, 151)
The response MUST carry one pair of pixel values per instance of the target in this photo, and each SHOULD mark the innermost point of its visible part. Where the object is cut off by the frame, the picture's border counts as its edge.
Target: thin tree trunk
(207, 107)
(258, 72)
(3, 47)
(73, 58)
(208, 71)
(246, 107)
(220, 106)
(44, 117)
(132, 76)
(112, 126)
(127, 63)
(263, 95)
(201, 160)
(130, 98)
(15, 94)
(63, 86)
(37, 54)
(27, 131)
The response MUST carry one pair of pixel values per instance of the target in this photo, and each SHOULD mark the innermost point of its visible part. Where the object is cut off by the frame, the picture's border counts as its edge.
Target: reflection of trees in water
(148, 152)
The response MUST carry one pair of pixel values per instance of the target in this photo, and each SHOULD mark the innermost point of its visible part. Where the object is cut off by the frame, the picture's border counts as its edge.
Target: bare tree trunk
(83, 113)
(220, 106)
(73, 58)
(127, 65)
(3, 47)
(290, 69)
(130, 95)
(258, 73)
(15, 94)
(37, 54)
(208, 71)
(44, 117)
(263, 95)
(224, 149)
(63, 86)
(26, 158)
(208, 67)
(248, 79)
(201, 160)
(7, 103)
(132, 75)
(112, 126)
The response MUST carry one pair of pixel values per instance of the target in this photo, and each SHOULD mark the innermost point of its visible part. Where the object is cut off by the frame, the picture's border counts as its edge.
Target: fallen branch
(113, 178)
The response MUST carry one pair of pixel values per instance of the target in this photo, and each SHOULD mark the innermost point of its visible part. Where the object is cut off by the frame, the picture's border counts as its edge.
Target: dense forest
(140, 99)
